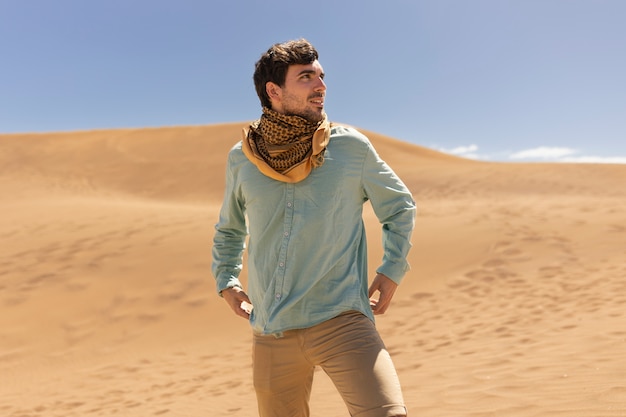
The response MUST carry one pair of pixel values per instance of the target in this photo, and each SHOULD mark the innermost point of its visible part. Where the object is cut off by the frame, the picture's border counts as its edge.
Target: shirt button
(286, 234)
(281, 264)
(278, 296)
(289, 204)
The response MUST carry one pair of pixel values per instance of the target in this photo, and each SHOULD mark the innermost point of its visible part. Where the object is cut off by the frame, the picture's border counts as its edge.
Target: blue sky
(501, 80)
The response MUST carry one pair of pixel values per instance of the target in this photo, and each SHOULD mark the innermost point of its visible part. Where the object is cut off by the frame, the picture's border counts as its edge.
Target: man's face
(303, 93)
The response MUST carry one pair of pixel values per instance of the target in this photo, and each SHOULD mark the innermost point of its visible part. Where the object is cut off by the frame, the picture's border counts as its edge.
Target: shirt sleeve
(230, 235)
(395, 208)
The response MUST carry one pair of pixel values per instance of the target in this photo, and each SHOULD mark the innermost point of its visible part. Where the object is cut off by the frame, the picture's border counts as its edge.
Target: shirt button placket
(283, 251)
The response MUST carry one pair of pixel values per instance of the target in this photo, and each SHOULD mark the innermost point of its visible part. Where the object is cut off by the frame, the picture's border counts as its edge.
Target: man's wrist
(230, 287)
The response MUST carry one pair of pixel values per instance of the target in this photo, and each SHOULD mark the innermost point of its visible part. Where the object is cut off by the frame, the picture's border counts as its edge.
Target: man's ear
(272, 90)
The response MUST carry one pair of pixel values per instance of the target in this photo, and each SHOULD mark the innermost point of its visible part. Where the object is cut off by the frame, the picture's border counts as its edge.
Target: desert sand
(515, 304)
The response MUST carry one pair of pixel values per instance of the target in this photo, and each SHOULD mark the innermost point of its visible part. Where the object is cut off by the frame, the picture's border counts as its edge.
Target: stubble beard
(313, 115)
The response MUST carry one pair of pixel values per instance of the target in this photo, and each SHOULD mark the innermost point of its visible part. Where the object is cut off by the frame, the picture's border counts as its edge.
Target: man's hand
(386, 287)
(238, 301)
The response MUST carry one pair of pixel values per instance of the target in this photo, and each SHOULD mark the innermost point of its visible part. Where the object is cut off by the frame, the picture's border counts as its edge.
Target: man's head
(289, 79)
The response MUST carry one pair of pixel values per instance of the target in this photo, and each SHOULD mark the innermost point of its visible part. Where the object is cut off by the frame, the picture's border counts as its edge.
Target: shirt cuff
(394, 271)
(228, 283)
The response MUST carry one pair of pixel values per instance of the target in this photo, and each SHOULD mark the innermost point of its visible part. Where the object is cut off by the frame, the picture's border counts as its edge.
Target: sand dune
(515, 305)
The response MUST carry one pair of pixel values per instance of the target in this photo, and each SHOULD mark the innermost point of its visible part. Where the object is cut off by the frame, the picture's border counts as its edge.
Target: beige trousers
(348, 348)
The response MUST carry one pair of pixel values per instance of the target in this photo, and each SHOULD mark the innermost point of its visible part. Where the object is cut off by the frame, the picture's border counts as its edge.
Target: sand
(515, 305)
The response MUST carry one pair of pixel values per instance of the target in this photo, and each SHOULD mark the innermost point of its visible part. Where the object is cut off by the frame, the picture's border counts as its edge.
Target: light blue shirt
(307, 253)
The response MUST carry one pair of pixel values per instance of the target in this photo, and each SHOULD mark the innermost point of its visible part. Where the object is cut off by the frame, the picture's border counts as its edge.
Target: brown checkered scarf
(285, 147)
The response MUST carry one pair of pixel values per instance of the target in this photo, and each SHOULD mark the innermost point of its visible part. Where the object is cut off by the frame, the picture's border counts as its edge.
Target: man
(295, 186)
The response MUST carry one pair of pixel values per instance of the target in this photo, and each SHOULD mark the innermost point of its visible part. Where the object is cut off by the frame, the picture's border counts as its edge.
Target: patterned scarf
(286, 148)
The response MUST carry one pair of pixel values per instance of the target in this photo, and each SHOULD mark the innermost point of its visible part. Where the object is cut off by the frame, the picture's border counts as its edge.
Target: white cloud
(596, 159)
(558, 154)
(463, 151)
(543, 152)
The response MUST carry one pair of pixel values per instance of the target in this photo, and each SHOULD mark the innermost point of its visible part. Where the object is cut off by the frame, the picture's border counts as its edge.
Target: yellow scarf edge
(298, 172)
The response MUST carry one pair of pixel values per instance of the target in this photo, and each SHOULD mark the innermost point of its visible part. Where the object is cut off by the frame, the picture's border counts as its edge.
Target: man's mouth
(318, 100)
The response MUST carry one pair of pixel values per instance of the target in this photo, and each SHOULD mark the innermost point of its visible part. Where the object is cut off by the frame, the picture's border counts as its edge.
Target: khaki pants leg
(282, 376)
(349, 350)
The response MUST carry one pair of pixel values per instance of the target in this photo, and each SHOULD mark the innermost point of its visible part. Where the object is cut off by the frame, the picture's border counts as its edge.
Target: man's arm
(395, 209)
(228, 247)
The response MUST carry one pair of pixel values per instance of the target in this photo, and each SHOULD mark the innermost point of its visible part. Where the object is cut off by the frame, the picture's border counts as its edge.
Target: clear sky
(501, 80)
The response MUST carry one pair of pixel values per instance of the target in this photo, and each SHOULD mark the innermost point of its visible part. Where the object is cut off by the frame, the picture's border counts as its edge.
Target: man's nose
(321, 85)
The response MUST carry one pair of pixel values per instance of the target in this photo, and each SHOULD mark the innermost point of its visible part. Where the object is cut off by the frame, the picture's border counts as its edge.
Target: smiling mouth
(318, 100)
